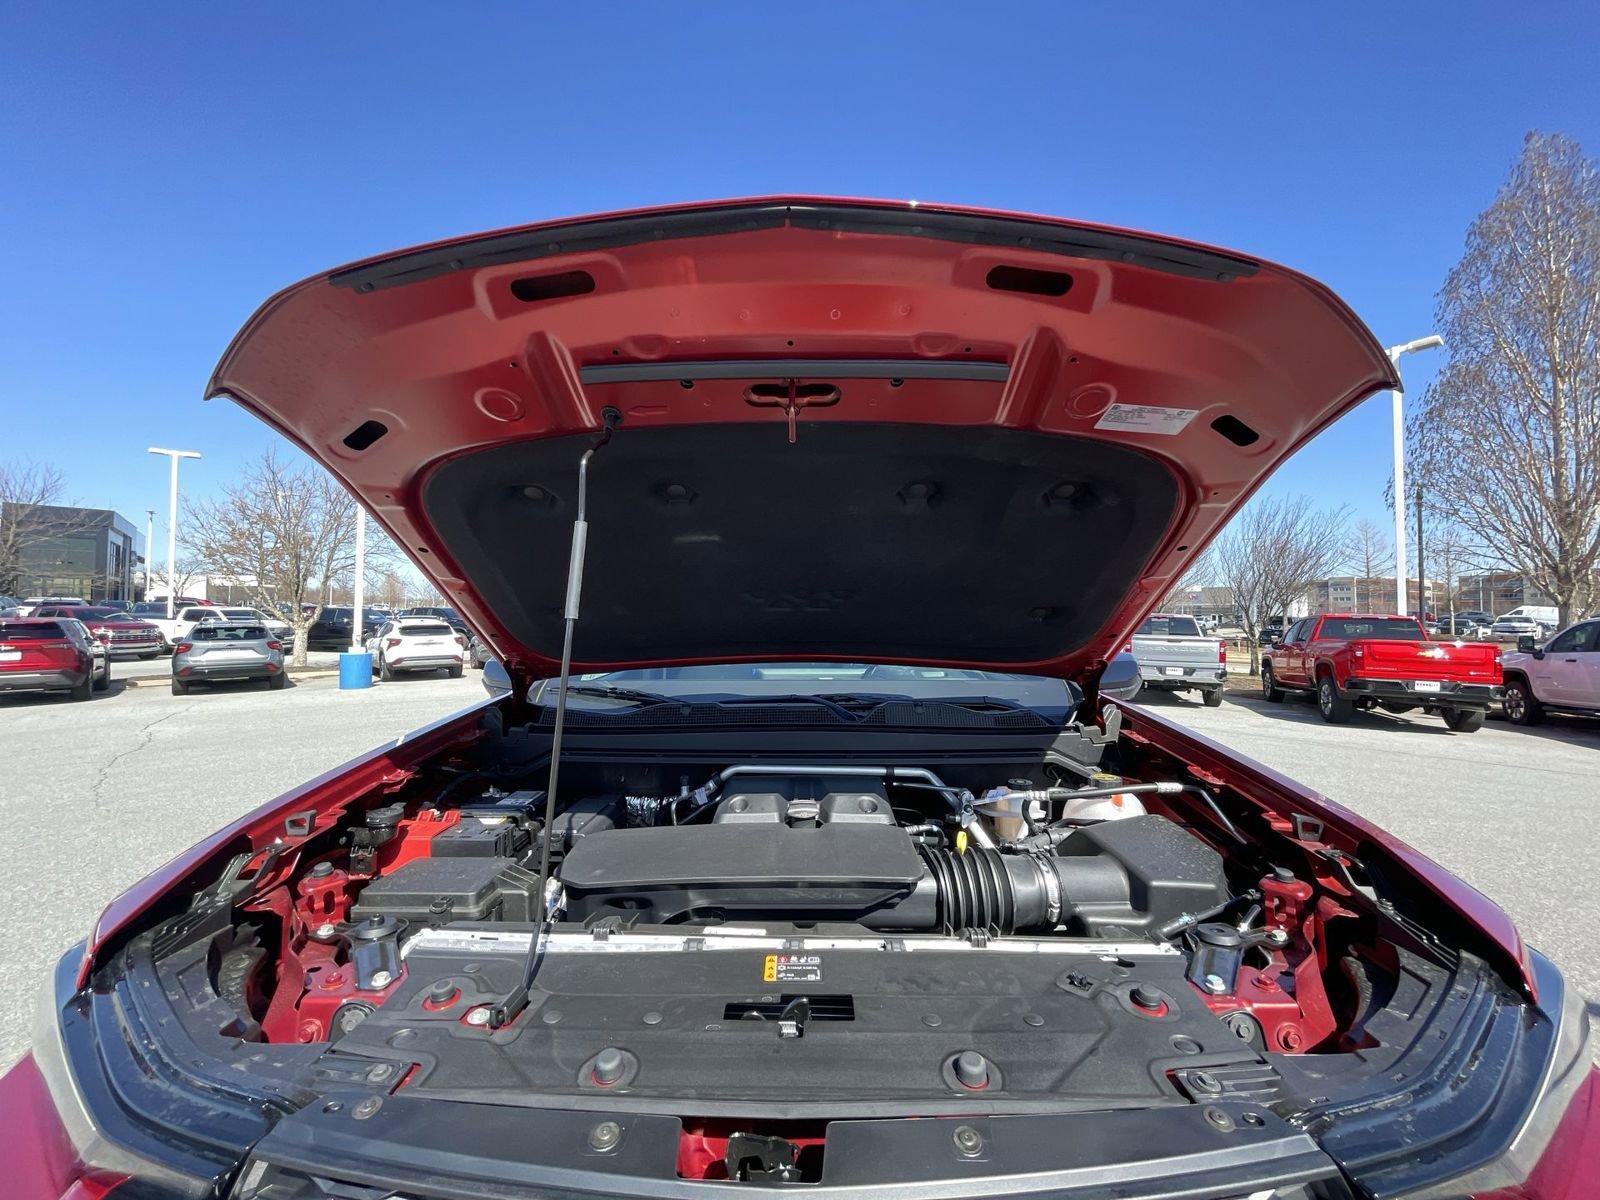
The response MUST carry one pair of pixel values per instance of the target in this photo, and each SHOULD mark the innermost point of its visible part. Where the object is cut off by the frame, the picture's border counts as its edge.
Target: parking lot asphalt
(95, 795)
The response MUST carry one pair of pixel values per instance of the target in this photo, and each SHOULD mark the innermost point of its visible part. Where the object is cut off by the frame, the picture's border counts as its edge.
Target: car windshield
(44, 631)
(425, 629)
(212, 632)
(1387, 629)
(1169, 627)
(241, 614)
(95, 614)
(789, 682)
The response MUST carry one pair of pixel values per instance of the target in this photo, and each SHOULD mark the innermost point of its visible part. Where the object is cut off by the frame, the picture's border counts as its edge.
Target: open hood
(851, 430)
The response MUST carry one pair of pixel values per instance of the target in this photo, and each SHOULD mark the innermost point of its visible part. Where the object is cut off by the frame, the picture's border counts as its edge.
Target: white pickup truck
(1561, 675)
(186, 617)
(1174, 656)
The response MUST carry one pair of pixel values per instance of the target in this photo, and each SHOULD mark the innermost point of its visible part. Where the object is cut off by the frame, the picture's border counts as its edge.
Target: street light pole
(149, 546)
(357, 641)
(1395, 352)
(172, 522)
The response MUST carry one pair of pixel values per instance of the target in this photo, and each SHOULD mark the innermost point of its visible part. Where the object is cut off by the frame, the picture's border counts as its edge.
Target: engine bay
(757, 946)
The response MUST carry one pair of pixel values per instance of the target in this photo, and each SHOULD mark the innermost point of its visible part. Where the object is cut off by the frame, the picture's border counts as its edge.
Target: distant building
(1368, 594)
(1203, 602)
(87, 552)
(1497, 592)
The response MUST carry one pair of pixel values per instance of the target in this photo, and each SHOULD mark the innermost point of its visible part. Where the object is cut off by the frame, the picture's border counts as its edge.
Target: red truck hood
(1009, 434)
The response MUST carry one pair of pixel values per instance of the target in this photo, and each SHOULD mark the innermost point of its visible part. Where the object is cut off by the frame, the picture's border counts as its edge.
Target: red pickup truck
(1350, 661)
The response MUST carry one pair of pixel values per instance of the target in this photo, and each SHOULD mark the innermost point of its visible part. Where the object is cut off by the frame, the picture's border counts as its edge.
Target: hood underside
(850, 430)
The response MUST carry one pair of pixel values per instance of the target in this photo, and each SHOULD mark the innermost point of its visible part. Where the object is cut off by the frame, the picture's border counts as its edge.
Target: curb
(166, 681)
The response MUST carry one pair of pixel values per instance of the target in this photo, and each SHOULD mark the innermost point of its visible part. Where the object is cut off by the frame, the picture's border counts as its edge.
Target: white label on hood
(1146, 418)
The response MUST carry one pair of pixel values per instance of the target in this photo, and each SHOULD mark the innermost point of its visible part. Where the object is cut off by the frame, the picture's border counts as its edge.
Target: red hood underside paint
(922, 316)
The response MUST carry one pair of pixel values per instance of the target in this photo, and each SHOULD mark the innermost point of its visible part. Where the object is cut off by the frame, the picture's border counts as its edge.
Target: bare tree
(1369, 555)
(186, 572)
(1448, 553)
(1507, 440)
(31, 512)
(1271, 552)
(391, 590)
(280, 531)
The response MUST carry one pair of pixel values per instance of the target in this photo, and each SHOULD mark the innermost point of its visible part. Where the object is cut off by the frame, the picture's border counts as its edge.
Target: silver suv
(214, 651)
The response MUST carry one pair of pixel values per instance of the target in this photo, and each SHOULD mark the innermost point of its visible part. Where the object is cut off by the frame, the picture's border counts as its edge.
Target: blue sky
(163, 169)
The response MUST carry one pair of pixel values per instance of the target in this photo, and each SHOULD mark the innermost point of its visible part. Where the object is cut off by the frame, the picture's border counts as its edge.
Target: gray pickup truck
(1174, 656)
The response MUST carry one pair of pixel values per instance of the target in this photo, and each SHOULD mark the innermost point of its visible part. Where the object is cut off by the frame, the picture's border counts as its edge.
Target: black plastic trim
(607, 233)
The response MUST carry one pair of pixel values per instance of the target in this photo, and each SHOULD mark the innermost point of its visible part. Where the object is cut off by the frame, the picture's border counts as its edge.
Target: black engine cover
(733, 871)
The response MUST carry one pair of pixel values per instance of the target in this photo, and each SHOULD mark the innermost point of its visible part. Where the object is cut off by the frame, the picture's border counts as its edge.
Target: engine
(801, 849)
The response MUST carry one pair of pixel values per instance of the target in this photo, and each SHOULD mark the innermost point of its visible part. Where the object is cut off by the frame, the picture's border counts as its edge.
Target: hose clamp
(1052, 888)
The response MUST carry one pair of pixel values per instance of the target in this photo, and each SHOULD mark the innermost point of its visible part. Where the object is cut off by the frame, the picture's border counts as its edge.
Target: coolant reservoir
(1104, 808)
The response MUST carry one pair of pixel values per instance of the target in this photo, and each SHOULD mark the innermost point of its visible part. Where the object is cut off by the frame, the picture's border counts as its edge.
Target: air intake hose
(993, 892)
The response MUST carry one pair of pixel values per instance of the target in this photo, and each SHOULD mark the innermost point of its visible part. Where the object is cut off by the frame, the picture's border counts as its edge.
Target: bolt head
(367, 1107)
(478, 1015)
(605, 1135)
(969, 1142)
(326, 930)
(1215, 984)
(381, 979)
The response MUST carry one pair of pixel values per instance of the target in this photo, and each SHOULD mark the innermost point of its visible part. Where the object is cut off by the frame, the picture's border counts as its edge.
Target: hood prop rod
(506, 1011)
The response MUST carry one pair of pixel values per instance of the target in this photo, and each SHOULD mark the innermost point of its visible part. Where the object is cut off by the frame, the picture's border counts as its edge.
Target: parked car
(1460, 626)
(847, 878)
(45, 654)
(1351, 661)
(1174, 656)
(1524, 621)
(276, 626)
(478, 651)
(1272, 630)
(227, 651)
(123, 636)
(332, 630)
(407, 645)
(1562, 675)
(27, 607)
(176, 629)
(449, 615)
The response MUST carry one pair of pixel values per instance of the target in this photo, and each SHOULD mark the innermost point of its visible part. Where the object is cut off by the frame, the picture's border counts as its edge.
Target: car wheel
(1269, 685)
(279, 681)
(1522, 708)
(384, 673)
(1335, 709)
(81, 691)
(455, 671)
(1211, 697)
(103, 683)
(1464, 720)
(180, 688)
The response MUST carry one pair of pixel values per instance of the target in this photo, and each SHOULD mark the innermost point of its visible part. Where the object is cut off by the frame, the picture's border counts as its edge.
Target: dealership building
(86, 552)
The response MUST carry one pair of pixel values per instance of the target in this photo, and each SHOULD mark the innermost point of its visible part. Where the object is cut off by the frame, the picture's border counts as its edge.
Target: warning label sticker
(1146, 418)
(792, 968)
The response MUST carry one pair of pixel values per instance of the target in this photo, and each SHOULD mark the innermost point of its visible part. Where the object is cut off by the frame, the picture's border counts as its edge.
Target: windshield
(242, 614)
(213, 632)
(1054, 699)
(1169, 627)
(1388, 629)
(42, 631)
(95, 614)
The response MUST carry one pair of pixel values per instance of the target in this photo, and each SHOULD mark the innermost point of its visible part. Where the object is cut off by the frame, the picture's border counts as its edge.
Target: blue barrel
(355, 670)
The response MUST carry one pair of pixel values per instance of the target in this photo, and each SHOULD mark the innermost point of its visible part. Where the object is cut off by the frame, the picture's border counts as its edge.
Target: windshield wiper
(630, 695)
